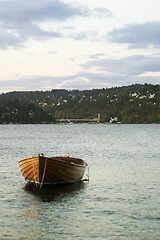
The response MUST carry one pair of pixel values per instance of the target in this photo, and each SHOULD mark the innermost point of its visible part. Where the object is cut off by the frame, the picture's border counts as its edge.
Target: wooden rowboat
(52, 170)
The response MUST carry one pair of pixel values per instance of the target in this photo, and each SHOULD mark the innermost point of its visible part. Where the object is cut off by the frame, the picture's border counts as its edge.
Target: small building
(152, 96)
(113, 119)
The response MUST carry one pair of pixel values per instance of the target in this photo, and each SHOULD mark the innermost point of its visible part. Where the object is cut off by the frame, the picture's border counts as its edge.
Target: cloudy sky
(75, 44)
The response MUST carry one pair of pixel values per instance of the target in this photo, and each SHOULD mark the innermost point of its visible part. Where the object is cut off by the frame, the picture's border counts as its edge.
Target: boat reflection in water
(55, 192)
(48, 206)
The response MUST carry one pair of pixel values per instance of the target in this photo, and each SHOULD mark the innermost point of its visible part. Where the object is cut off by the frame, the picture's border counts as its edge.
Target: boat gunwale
(84, 164)
(58, 159)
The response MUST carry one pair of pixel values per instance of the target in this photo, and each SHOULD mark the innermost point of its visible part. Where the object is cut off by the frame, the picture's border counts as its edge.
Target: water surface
(121, 200)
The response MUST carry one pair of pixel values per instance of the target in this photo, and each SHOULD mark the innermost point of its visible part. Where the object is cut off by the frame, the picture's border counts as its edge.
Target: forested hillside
(128, 104)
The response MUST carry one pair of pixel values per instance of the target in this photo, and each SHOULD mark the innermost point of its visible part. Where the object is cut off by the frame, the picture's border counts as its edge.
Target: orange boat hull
(53, 170)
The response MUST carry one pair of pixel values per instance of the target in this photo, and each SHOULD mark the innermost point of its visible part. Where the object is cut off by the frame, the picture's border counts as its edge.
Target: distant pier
(80, 120)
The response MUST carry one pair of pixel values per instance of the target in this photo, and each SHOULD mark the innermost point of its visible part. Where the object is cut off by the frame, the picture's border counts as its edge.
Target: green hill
(128, 104)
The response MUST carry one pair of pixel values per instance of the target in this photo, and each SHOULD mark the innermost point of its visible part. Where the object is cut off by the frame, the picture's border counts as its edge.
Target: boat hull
(53, 170)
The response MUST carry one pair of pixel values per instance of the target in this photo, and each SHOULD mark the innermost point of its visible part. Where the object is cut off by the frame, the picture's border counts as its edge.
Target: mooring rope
(44, 173)
(88, 172)
(34, 171)
(87, 175)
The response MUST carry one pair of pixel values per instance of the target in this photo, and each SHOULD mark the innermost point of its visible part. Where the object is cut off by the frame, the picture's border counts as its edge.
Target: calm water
(121, 200)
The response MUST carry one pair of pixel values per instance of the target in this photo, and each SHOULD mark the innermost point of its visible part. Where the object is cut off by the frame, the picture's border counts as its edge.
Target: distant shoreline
(135, 104)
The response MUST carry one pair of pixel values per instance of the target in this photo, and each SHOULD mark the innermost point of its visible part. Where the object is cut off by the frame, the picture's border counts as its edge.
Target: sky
(77, 44)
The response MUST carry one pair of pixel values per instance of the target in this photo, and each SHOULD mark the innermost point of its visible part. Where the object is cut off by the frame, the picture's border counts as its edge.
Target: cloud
(23, 20)
(18, 12)
(80, 80)
(112, 73)
(85, 35)
(127, 66)
(107, 73)
(137, 35)
(102, 12)
(20, 20)
(17, 38)
(28, 83)
(97, 55)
